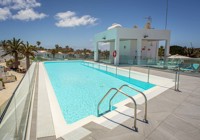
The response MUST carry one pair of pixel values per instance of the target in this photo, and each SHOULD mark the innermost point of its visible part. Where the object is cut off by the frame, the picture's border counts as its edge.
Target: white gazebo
(132, 45)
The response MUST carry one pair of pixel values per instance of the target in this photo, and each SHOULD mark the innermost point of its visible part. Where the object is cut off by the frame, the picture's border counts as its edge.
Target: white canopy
(114, 25)
(177, 56)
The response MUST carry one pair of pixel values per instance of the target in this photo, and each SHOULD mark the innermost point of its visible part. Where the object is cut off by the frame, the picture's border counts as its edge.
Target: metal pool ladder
(135, 104)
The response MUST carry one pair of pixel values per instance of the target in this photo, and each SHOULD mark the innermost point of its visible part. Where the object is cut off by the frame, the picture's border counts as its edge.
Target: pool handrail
(119, 91)
(145, 98)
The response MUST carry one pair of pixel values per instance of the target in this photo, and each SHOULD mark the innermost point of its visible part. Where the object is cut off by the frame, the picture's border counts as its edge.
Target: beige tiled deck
(172, 115)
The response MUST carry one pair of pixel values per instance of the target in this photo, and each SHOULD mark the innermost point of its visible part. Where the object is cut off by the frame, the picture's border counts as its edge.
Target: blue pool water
(79, 88)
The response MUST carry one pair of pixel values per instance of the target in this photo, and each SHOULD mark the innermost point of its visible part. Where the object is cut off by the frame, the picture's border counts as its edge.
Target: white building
(47, 55)
(42, 53)
(132, 45)
(60, 55)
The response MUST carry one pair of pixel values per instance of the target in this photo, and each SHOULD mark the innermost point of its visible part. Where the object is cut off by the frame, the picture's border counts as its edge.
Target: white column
(157, 49)
(167, 45)
(139, 48)
(112, 48)
(96, 52)
(116, 59)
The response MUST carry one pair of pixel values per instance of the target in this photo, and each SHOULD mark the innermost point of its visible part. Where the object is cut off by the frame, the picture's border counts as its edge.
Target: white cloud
(20, 4)
(24, 8)
(69, 19)
(28, 14)
(4, 14)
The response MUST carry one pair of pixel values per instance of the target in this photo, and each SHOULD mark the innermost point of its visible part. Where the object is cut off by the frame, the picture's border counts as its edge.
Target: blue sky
(75, 22)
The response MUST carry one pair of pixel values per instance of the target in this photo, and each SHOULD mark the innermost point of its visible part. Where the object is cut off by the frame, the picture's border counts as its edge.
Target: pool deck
(172, 115)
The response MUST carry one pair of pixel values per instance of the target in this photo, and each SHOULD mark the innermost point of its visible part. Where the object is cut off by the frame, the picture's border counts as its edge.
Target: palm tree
(67, 47)
(3, 45)
(38, 43)
(189, 51)
(161, 51)
(13, 47)
(53, 52)
(107, 53)
(71, 50)
(78, 51)
(57, 46)
(28, 50)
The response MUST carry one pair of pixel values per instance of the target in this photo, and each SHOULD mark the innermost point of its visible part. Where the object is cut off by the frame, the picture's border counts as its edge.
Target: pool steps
(135, 104)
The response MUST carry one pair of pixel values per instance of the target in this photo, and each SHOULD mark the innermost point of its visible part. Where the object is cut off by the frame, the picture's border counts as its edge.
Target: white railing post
(178, 79)
(116, 71)
(129, 73)
(175, 79)
(148, 74)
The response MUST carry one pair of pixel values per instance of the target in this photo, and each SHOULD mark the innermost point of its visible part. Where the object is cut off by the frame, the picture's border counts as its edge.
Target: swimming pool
(79, 88)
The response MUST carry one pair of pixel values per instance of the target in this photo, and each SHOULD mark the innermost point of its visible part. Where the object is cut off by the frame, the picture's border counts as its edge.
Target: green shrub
(9, 63)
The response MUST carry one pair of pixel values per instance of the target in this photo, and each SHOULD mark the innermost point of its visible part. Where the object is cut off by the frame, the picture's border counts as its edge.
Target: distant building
(42, 53)
(132, 46)
(49, 55)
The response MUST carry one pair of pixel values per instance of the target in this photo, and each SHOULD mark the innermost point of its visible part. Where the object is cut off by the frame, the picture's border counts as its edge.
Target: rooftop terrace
(171, 115)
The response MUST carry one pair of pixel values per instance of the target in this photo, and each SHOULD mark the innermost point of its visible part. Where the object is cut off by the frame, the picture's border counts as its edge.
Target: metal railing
(149, 67)
(115, 68)
(145, 98)
(119, 91)
(177, 80)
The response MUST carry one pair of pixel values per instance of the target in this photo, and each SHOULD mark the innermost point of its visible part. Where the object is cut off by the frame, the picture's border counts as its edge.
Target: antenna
(166, 16)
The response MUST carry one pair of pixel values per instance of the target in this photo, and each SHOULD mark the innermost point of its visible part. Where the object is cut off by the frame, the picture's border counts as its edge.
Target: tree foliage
(54, 52)
(177, 50)
(12, 47)
(16, 47)
(161, 51)
(28, 50)
(186, 51)
(38, 43)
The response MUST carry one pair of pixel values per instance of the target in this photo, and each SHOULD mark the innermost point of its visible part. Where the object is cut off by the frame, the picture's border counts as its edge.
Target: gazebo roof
(177, 56)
